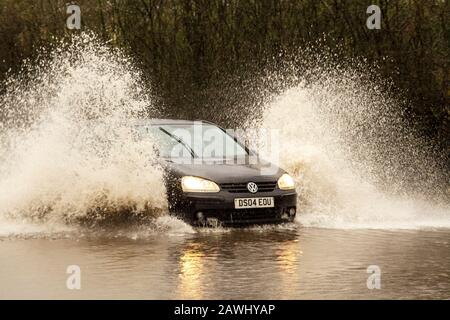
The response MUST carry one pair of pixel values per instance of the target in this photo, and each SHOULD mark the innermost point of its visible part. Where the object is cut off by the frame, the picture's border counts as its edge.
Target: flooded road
(283, 262)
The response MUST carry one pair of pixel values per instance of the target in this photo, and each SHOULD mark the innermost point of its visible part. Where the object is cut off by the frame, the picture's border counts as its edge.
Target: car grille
(242, 187)
(245, 215)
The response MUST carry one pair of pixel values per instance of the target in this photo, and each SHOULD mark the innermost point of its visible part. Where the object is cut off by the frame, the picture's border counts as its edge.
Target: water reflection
(288, 256)
(234, 262)
(192, 267)
(278, 263)
(288, 261)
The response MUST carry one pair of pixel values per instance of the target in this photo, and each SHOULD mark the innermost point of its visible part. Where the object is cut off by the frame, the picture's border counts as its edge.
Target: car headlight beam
(197, 184)
(286, 182)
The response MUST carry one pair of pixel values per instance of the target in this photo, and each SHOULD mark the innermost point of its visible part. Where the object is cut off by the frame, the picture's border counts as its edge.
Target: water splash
(68, 159)
(356, 161)
(66, 154)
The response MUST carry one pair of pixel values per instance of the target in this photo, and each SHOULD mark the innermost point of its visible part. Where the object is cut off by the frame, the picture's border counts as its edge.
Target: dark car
(213, 179)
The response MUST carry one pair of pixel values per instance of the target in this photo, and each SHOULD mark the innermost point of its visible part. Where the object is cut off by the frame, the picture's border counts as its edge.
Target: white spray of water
(355, 163)
(67, 157)
(66, 154)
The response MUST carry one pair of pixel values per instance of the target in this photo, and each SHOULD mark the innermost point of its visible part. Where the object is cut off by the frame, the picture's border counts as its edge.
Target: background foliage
(204, 56)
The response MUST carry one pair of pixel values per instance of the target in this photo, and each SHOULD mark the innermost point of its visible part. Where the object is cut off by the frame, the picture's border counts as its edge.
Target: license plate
(244, 203)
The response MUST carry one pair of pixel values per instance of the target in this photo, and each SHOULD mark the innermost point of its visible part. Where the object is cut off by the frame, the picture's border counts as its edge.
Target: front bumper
(218, 208)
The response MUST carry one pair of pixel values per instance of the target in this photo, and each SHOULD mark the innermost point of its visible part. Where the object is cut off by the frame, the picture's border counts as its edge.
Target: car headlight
(196, 184)
(286, 182)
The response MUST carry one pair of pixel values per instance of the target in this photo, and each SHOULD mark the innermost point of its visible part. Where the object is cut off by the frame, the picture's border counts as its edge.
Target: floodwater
(280, 262)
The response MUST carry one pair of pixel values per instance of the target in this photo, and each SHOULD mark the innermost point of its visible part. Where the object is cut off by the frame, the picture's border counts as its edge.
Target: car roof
(159, 121)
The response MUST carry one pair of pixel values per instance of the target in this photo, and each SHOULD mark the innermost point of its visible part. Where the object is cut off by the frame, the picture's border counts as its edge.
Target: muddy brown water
(284, 262)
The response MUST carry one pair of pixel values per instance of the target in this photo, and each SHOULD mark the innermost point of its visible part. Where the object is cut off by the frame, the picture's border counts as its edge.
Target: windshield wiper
(180, 141)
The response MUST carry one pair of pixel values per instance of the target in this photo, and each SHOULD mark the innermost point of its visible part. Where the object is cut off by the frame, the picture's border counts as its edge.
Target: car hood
(223, 172)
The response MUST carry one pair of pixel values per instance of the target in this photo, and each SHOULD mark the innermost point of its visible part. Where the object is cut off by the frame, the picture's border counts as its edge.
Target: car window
(167, 144)
(194, 140)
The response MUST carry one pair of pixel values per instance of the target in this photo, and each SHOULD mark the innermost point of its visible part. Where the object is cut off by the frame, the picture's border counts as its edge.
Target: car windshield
(197, 140)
